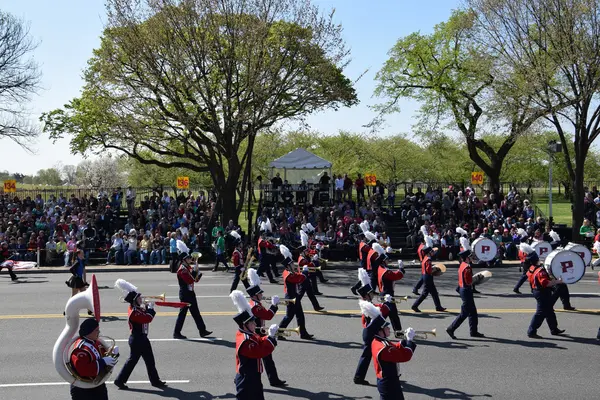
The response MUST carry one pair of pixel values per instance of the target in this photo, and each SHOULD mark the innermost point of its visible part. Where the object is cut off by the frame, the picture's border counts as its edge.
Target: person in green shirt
(218, 228)
(220, 249)
(586, 229)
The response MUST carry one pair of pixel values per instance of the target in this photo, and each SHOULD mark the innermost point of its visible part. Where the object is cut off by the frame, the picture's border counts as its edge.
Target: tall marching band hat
(366, 288)
(428, 244)
(237, 239)
(130, 292)
(254, 279)
(462, 232)
(244, 310)
(184, 251)
(263, 227)
(531, 255)
(303, 241)
(371, 238)
(88, 326)
(466, 247)
(371, 311)
(287, 255)
(379, 249)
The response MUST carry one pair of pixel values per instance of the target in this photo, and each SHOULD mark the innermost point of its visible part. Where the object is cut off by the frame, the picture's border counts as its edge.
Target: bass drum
(565, 264)
(484, 249)
(542, 249)
(584, 252)
(481, 277)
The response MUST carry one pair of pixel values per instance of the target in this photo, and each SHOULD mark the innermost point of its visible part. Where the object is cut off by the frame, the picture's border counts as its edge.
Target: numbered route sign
(183, 182)
(477, 178)
(370, 179)
(10, 186)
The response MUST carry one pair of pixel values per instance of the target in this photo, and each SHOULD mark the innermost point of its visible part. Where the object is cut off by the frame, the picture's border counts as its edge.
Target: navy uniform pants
(522, 279)
(429, 288)
(189, 297)
(389, 388)
(97, 393)
(294, 310)
(365, 358)
(248, 387)
(418, 284)
(561, 291)
(467, 309)
(543, 311)
(13, 276)
(236, 280)
(309, 289)
(264, 266)
(139, 347)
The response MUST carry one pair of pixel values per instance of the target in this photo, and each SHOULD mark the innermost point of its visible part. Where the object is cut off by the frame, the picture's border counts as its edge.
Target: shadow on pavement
(447, 345)
(305, 394)
(111, 318)
(524, 343)
(21, 281)
(173, 393)
(577, 339)
(429, 315)
(440, 393)
(321, 342)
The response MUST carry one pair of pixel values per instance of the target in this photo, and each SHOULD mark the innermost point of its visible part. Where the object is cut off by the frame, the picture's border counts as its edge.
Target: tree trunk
(229, 204)
(578, 196)
(493, 175)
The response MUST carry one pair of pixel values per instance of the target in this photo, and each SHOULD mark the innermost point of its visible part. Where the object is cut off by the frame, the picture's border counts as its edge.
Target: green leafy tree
(188, 84)
(49, 176)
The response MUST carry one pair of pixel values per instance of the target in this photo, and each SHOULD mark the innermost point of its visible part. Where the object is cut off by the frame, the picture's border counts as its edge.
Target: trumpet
(287, 332)
(160, 297)
(397, 300)
(418, 334)
(285, 302)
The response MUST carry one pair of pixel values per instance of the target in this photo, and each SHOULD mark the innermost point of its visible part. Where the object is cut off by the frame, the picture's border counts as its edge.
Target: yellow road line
(326, 312)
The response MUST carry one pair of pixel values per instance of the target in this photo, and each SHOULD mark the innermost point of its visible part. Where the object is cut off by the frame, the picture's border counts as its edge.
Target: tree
(100, 173)
(19, 79)
(460, 86)
(152, 176)
(50, 176)
(556, 42)
(187, 84)
(69, 174)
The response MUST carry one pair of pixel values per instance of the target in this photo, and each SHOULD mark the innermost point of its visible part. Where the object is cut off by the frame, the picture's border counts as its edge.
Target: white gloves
(315, 258)
(150, 306)
(242, 269)
(273, 330)
(275, 300)
(387, 298)
(110, 362)
(409, 334)
(305, 268)
(400, 264)
(115, 350)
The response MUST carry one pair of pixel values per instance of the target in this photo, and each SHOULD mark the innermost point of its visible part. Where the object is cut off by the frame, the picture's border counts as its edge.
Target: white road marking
(198, 297)
(9, 385)
(207, 284)
(586, 294)
(178, 340)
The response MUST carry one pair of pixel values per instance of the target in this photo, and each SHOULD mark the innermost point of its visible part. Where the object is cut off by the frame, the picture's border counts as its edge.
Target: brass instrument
(285, 302)
(397, 300)
(287, 332)
(160, 297)
(418, 334)
(196, 269)
(314, 269)
(249, 260)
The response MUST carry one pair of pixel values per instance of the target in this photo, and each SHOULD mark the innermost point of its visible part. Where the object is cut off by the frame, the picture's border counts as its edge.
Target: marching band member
(387, 277)
(187, 277)
(237, 259)
(465, 282)
(5, 255)
(262, 314)
(524, 267)
(293, 289)
(420, 254)
(304, 260)
(250, 350)
(139, 319)
(541, 286)
(427, 272)
(374, 259)
(263, 248)
(388, 308)
(364, 247)
(88, 359)
(314, 250)
(386, 355)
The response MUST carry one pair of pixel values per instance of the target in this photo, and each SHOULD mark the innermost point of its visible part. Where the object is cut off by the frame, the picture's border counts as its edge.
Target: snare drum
(485, 249)
(583, 252)
(565, 264)
(542, 249)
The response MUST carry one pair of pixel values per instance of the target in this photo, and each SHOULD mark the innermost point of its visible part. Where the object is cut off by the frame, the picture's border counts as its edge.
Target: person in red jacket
(251, 349)
(387, 277)
(89, 359)
(427, 275)
(541, 287)
(5, 255)
(139, 317)
(264, 249)
(387, 355)
(364, 247)
(465, 284)
(237, 259)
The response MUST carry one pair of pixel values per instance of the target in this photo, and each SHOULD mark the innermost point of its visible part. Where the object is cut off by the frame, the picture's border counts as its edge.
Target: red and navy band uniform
(427, 275)
(294, 288)
(266, 260)
(374, 260)
(250, 350)
(540, 285)
(311, 279)
(386, 278)
(265, 314)
(363, 251)
(238, 263)
(186, 278)
(468, 308)
(86, 360)
(386, 356)
(139, 321)
(420, 254)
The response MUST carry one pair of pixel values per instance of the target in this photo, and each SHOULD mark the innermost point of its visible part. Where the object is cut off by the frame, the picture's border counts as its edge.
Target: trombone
(285, 302)
(396, 300)
(287, 332)
(418, 334)
(247, 265)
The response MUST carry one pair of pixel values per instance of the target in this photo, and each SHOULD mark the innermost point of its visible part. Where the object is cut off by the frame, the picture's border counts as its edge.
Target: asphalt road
(504, 365)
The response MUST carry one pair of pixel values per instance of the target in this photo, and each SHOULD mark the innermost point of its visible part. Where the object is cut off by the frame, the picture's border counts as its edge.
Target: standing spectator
(347, 187)
(220, 250)
(360, 189)
(173, 252)
(324, 183)
(216, 229)
(276, 183)
(71, 249)
(391, 196)
(339, 187)
(130, 198)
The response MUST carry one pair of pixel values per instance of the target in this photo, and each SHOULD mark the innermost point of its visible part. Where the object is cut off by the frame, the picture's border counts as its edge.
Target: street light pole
(550, 185)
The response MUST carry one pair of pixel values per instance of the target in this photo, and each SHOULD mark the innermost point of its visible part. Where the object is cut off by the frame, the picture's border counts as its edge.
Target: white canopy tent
(299, 165)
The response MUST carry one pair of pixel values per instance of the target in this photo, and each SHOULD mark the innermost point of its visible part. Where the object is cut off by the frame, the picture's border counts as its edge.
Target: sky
(69, 30)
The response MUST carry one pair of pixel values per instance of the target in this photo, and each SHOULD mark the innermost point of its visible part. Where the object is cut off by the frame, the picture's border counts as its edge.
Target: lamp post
(553, 147)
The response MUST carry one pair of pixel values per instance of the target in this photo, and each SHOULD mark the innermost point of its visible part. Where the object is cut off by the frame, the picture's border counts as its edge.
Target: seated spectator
(145, 250)
(586, 230)
(50, 251)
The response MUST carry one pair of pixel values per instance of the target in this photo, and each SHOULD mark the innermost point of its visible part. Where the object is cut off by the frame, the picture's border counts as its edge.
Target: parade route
(498, 366)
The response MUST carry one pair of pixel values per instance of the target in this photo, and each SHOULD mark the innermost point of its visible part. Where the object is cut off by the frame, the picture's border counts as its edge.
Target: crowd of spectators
(138, 231)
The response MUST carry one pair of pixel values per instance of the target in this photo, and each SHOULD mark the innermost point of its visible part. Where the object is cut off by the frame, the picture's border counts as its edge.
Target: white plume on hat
(310, 228)
(125, 286)
(370, 236)
(526, 248)
(303, 238)
(423, 230)
(240, 302)
(182, 247)
(235, 235)
(428, 241)
(522, 232)
(364, 226)
(263, 226)
(268, 226)
(461, 231)
(363, 277)
(253, 277)
(555, 237)
(368, 309)
(377, 247)
(285, 252)
(464, 242)
(304, 227)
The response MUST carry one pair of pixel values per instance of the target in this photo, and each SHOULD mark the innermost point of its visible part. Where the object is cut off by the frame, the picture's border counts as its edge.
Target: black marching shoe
(272, 281)
(159, 384)
(307, 337)
(278, 383)
(205, 333)
(318, 294)
(516, 291)
(324, 280)
(534, 336)
(569, 308)
(354, 292)
(477, 334)
(441, 309)
(416, 292)
(179, 336)
(415, 309)
(361, 381)
(121, 386)
(475, 291)
(319, 308)
(558, 332)
(450, 333)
